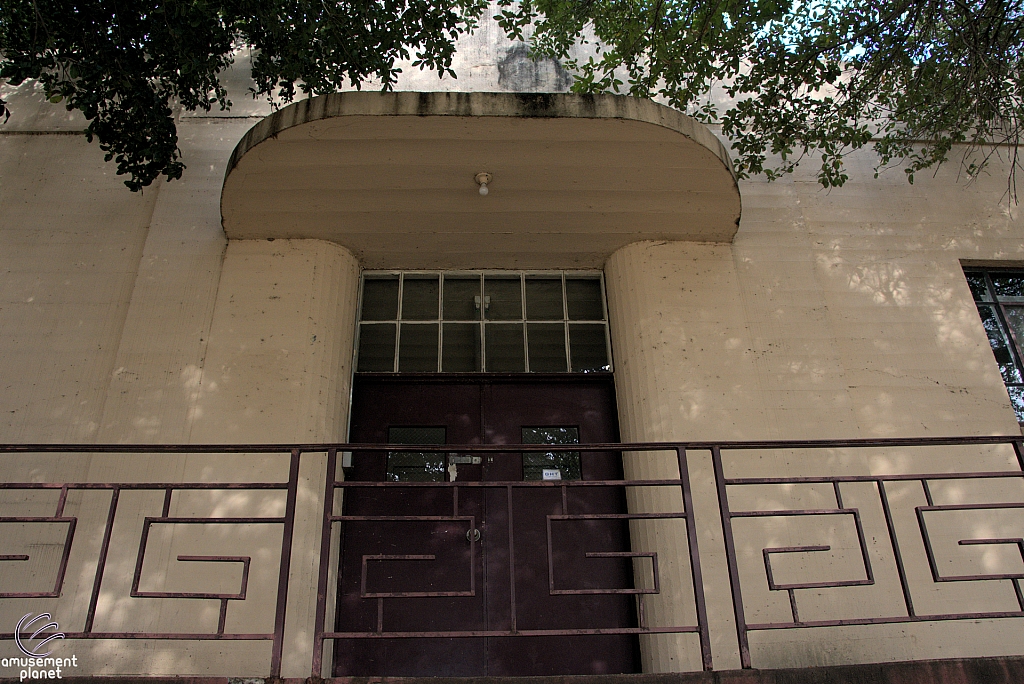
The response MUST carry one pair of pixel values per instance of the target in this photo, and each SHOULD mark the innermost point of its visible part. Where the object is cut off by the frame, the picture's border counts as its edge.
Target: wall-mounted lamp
(482, 179)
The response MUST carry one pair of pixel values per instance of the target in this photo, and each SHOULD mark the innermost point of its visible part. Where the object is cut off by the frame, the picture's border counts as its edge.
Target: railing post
(325, 558)
(897, 556)
(695, 572)
(730, 554)
(286, 558)
(102, 563)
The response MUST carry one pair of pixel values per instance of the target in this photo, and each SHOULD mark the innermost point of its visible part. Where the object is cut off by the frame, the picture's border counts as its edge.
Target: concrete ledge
(390, 176)
(959, 671)
(512, 105)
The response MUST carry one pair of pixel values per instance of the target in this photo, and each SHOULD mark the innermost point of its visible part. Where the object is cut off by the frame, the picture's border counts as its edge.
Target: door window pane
(566, 463)
(377, 347)
(503, 296)
(461, 298)
(416, 466)
(587, 348)
(420, 298)
(380, 298)
(583, 299)
(544, 299)
(505, 348)
(417, 348)
(461, 345)
(547, 347)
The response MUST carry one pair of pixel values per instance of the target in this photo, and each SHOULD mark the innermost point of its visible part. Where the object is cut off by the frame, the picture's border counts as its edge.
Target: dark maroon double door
(484, 578)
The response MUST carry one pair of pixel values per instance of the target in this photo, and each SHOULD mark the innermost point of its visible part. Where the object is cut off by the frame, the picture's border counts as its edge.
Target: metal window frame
(522, 274)
(1005, 329)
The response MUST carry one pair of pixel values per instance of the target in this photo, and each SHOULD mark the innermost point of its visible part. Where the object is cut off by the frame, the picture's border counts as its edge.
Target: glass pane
(547, 347)
(461, 299)
(461, 347)
(504, 298)
(1008, 284)
(997, 339)
(420, 298)
(587, 348)
(377, 347)
(411, 466)
(380, 298)
(978, 287)
(1017, 399)
(417, 348)
(544, 299)
(566, 463)
(1015, 319)
(583, 298)
(505, 348)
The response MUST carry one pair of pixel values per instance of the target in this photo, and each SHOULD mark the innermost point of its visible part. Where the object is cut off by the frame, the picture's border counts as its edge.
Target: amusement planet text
(40, 668)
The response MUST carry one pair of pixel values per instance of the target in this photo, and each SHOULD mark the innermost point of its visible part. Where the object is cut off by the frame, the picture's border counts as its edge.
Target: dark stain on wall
(517, 72)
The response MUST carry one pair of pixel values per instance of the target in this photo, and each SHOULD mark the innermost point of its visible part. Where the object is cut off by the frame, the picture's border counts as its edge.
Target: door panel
(377, 408)
(590, 408)
(374, 585)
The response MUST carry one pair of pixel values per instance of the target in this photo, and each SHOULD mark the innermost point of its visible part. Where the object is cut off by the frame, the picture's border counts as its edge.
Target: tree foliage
(123, 63)
(791, 78)
(787, 80)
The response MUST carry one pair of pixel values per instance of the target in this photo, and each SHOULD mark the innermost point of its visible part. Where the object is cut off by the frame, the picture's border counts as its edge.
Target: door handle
(473, 535)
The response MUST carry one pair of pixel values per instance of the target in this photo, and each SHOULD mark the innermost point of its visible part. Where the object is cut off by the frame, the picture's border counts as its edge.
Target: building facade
(331, 273)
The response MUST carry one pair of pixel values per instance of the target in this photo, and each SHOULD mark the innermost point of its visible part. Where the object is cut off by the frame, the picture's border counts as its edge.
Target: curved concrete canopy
(391, 177)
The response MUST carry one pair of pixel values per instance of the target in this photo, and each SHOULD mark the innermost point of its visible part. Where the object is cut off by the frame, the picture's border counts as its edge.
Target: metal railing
(115, 489)
(893, 538)
(897, 543)
(514, 628)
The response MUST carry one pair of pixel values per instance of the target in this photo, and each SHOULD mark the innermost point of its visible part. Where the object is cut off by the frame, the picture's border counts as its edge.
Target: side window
(999, 296)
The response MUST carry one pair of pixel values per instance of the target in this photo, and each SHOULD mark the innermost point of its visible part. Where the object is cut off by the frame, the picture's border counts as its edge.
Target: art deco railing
(921, 519)
(515, 629)
(87, 628)
(894, 539)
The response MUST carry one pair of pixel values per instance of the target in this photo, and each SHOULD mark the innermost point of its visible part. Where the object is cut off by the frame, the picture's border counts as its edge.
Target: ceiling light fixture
(482, 179)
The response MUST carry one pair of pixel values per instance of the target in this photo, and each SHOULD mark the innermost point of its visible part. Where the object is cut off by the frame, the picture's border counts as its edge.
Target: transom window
(999, 295)
(484, 321)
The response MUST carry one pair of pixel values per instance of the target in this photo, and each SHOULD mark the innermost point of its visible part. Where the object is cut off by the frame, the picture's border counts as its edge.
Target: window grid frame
(482, 321)
(991, 298)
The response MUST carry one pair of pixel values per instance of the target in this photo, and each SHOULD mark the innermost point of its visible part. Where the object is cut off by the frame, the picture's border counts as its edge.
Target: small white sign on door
(551, 474)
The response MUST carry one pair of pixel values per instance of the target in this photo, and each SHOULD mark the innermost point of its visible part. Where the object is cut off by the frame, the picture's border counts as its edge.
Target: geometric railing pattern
(169, 491)
(938, 536)
(505, 491)
(899, 542)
